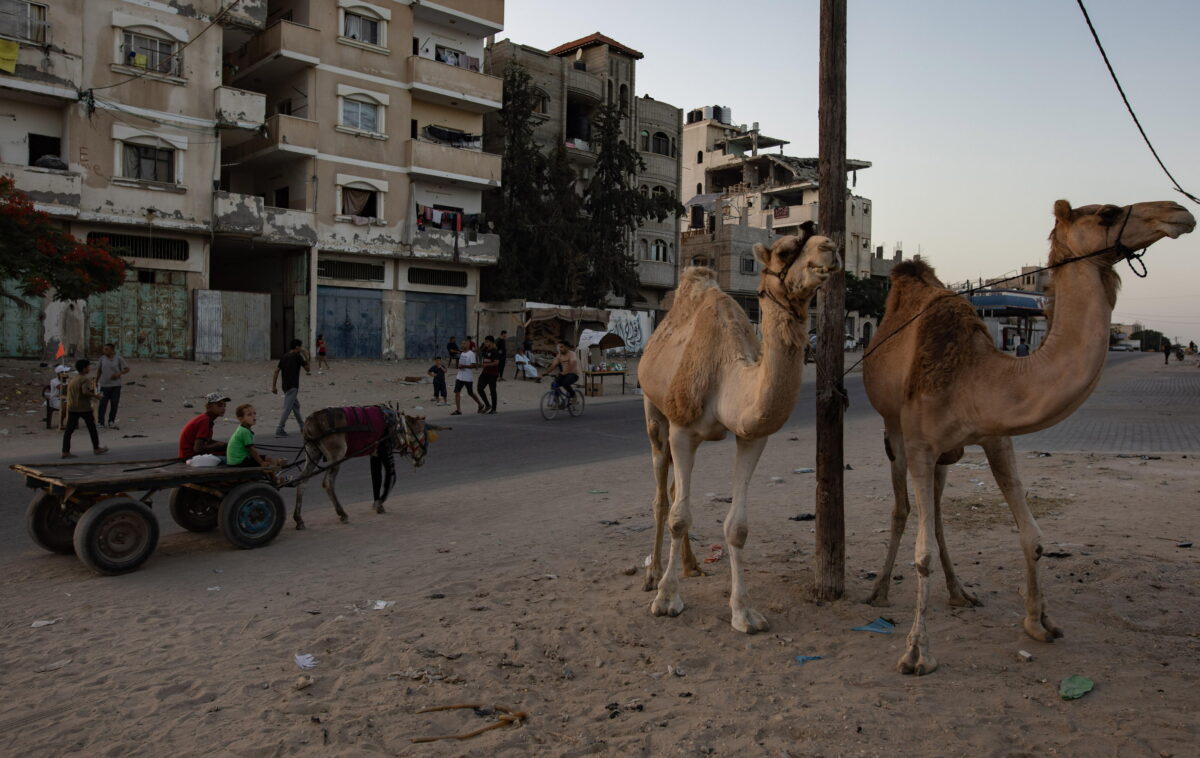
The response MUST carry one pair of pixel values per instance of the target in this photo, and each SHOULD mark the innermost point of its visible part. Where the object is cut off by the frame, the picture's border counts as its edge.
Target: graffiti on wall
(632, 326)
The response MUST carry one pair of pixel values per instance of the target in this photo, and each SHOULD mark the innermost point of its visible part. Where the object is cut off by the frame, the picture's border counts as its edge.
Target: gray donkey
(334, 435)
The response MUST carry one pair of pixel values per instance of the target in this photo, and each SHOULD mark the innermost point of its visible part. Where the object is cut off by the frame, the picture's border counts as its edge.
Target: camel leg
(958, 596)
(744, 618)
(683, 454)
(1000, 456)
(921, 464)
(657, 429)
(894, 444)
(327, 483)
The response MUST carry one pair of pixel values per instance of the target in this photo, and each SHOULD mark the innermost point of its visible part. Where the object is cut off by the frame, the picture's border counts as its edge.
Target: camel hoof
(663, 606)
(965, 600)
(878, 600)
(694, 571)
(914, 662)
(1042, 631)
(651, 582)
(344, 518)
(749, 621)
(300, 526)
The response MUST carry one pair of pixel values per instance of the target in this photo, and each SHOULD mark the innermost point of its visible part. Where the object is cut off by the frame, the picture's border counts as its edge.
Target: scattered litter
(685, 694)
(610, 523)
(804, 471)
(630, 570)
(1075, 687)
(803, 517)
(313, 613)
(1151, 457)
(718, 553)
(189, 405)
(1056, 554)
(506, 717)
(45, 622)
(306, 661)
(218, 571)
(52, 666)
(597, 492)
(879, 626)
(131, 436)
(647, 561)
(802, 659)
(381, 604)
(721, 498)
(977, 482)
(849, 467)
(1043, 455)
(676, 670)
(435, 596)
(1024, 656)
(428, 652)
(215, 589)
(1184, 544)
(303, 682)
(793, 438)
(776, 480)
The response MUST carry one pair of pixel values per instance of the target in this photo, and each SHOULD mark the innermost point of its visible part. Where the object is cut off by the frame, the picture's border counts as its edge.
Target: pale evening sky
(976, 115)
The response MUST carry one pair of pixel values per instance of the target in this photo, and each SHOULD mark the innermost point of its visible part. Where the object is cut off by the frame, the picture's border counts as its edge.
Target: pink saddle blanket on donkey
(364, 426)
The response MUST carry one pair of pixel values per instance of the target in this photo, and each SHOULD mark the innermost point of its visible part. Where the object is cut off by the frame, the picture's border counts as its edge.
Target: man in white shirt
(465, 378)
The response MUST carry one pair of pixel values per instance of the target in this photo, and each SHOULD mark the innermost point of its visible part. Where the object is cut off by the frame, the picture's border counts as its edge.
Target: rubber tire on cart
(575, 403)
(49, 525)
(251, 515)
(116, 536)
(194, 510)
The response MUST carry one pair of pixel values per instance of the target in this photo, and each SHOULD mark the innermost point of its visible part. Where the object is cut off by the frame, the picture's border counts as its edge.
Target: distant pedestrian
(112, 368)
(452, 351)
(438, 372)
(56, 397)
(502, 348)
(80, 392)
(1166, 348)
(465, 379)
(289, 365)
(321, 351)
(489, 359)
(1022, 348)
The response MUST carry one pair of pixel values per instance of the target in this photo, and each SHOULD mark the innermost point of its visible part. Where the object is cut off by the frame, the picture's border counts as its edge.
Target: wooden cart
(86, 508)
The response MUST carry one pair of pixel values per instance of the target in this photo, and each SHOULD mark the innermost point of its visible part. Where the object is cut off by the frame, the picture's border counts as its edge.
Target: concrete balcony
(454, 163)
(792, 215)
(441, 83)
(239, 108)
(288, 138)
(237, 214)
(663, 169)
(439, 244)
(246, 14)
(52, 191)
(289, 226)
(583, 83)
(42, 69)
(274, 54)
(656, 274)
(475, 17)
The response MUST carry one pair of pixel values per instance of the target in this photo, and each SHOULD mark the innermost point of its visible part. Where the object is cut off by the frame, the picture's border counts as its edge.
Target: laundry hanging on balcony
(454, 137)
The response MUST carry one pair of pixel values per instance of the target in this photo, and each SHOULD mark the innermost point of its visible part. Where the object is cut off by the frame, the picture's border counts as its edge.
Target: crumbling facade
(572, 81)
(280, 167)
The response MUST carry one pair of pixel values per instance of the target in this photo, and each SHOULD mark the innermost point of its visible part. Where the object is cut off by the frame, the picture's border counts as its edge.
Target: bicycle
(555, 401)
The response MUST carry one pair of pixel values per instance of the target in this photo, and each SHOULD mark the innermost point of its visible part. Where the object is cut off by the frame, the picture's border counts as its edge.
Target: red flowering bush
(38, 255)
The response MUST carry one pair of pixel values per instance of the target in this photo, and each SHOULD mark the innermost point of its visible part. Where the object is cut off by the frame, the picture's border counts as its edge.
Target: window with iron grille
(133, 246)
(361, 272)
(156, 164)
(23, 20)
(747, 265)
(151, 53)
(437, 277)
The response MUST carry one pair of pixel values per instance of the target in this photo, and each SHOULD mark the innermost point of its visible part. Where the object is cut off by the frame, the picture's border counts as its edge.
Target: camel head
(1091, 228)
(795, 266)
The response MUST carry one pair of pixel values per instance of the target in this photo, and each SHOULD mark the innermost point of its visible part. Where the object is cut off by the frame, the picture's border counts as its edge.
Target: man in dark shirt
(452, 352)
(489, 359)
(502, 348)
(289, 365)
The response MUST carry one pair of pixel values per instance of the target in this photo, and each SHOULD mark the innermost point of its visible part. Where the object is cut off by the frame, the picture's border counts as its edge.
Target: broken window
(42, 146)
(660, 143)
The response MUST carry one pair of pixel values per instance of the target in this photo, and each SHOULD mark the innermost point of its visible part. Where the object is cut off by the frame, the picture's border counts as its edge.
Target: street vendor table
(590, 378)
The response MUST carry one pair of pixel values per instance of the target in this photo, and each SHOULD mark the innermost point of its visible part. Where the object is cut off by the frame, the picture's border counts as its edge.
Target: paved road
(1133, 410)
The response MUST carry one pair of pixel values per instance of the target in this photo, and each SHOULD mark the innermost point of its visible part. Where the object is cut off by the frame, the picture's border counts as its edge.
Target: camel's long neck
(1048, 385)
(777, 373)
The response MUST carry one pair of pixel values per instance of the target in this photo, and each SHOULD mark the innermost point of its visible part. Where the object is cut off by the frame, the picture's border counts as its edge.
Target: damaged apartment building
(271, 169)
(572, 81)
(742, 194)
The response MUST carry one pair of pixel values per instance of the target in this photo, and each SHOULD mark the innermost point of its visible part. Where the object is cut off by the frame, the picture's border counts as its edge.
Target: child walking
(80, 392)
(438, 372)
(321, 362)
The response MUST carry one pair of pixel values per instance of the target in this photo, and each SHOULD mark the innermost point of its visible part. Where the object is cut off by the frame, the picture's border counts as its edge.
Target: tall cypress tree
(517, 210)
(563, 257)
(615, 208)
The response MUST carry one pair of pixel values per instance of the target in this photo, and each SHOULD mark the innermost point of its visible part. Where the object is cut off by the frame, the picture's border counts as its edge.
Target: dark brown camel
(333, 435)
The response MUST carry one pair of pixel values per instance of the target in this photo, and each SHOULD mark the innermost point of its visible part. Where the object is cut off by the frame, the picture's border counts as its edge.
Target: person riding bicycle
(568, 364)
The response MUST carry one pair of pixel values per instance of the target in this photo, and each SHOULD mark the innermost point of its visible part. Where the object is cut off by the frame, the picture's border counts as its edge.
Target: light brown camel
(334, 435)
(704, 373)
(934, 375)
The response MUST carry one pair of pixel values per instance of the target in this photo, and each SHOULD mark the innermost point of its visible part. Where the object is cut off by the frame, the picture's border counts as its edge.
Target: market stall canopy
(545, 312)
(1008, 303)
(602, 340)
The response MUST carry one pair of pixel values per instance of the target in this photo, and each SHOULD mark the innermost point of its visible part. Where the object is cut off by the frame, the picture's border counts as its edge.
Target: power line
(1129, 107)
(177, 53)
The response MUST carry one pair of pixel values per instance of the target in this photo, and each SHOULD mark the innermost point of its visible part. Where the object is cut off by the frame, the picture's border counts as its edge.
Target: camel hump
(913, 272)
(694, 281)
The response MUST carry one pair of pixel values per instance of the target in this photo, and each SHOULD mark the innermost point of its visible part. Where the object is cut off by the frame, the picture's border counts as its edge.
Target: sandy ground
(514, 592)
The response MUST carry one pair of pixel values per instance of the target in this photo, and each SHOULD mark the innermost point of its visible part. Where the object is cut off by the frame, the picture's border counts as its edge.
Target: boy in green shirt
(240, 450)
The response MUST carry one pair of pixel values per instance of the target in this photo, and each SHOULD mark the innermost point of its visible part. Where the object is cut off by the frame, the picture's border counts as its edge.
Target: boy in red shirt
(197, 435)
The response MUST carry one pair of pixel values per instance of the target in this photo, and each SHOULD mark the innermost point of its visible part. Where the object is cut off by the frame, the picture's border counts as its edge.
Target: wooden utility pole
(830, 562)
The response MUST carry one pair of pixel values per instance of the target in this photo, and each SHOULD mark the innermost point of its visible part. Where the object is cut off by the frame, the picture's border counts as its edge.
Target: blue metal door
(351, 320)
(430, 320)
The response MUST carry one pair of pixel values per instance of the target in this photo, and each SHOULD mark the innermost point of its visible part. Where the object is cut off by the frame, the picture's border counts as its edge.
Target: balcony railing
(240, 108)
(440, 161)
(56, 192)
(285, 134)
(279, 51)
(444, 84)
(656, 273)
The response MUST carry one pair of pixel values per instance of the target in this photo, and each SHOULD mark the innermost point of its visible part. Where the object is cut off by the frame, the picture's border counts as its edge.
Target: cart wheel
(194, 510)
(251, 515)
(50, 524)
(116, 536)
